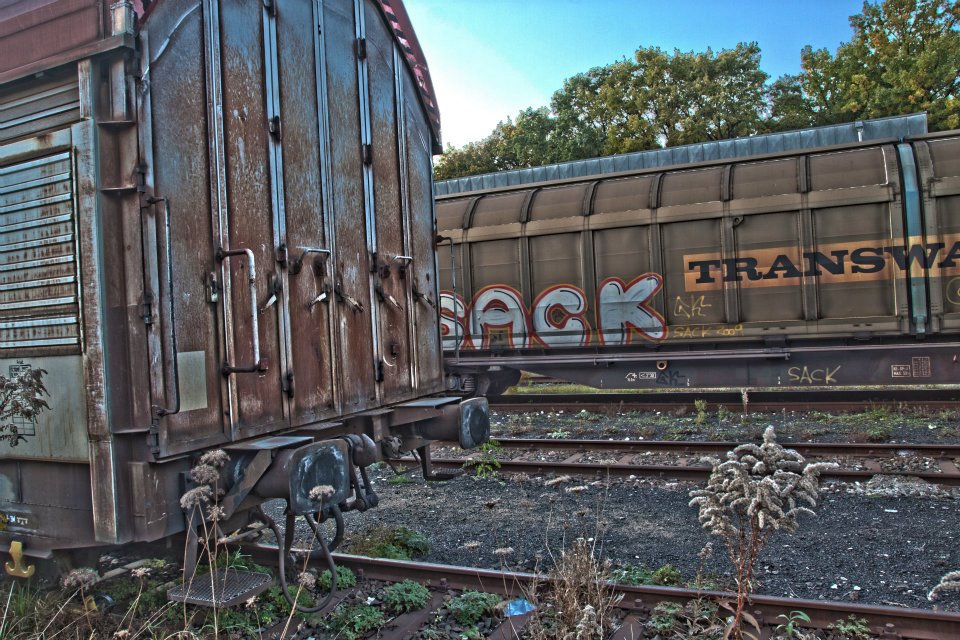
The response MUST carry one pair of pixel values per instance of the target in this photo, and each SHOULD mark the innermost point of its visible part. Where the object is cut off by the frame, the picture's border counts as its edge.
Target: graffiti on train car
(497, 316)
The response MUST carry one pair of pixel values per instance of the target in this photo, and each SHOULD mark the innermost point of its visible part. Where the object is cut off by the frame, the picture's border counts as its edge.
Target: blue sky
(491, 58)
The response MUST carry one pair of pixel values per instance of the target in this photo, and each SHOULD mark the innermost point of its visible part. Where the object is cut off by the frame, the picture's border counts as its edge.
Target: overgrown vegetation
(471, 606)
(576, 603)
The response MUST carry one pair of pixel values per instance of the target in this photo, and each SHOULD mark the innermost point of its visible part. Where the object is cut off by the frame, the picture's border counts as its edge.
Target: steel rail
(759, 400)
(807, 449)
(676, 472)
(919, 624)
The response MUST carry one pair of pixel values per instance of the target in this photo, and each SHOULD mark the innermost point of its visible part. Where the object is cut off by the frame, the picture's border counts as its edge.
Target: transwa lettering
(854, 262)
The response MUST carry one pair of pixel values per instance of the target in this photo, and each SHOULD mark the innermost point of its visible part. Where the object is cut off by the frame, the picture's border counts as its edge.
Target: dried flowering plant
(949, 582)
(757, 490)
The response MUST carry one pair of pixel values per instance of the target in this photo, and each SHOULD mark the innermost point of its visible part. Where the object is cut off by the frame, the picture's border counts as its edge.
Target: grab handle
(257, 366)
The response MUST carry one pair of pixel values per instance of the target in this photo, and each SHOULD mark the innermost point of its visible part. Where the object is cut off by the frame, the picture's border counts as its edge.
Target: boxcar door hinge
(362, 48)
(213, 288)
(271, 8)
(147, 308)
(378, 370)
(275, 127)
(367, 154)
(288, 384)
(153, 440)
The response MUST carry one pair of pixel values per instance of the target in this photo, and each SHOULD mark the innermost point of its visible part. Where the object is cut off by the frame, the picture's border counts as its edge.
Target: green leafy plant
(700, 406)
(470, 607)
(405, 596)
(486, 464)
(345, 579)
(393, 543)
(354, 622)
(636, 575)
(400, 478)
(853, 627)
(558, 434)
(696, 619)
(791, 623)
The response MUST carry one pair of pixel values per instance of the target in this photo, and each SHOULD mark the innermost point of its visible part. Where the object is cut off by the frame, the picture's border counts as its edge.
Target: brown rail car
(835, 265)
(216, 230)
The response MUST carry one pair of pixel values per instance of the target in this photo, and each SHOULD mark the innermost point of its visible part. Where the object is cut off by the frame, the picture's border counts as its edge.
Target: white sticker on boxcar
(193, 380)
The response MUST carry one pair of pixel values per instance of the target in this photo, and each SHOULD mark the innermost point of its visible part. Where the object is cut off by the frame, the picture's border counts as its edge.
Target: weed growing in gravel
(578, 602)
(700, 406)
(697, 619)
(405, 596)
(486, 464)
(756, 491)
(790, 629)
(352, 623)
(634, 575)
(346, 579)
(395, 543)
(558, 434)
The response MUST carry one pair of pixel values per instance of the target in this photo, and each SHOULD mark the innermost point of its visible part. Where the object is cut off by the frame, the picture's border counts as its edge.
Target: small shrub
(853, 627)
(558, 434)
(405, 596)
(486, 464)
(345, 579)
(470, 607)
(879, 432)
(700, 406)
(633, 575)
(697, 619)
(400, 478)
(399, 543)
(355, 622)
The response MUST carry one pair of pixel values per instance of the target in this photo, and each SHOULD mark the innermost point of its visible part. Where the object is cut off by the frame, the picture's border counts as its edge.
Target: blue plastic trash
(518, 607)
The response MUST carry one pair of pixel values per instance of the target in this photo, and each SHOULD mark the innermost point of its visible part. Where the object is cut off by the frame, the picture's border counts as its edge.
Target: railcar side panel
(789, 256)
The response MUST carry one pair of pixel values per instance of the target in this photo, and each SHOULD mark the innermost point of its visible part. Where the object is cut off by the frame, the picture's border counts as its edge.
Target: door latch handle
(323, 297)
(275, 289)
(350, 301)
(424, 297)
(386, 297)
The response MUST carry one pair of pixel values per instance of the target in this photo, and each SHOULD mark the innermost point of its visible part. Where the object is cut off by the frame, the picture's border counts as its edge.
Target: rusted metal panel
(250, 223)
(177, 166)
(309, 268)
(393, 253)
(351, 258)
(33, 30)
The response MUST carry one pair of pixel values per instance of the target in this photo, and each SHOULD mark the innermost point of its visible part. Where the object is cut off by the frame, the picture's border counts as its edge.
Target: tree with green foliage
(903, 58)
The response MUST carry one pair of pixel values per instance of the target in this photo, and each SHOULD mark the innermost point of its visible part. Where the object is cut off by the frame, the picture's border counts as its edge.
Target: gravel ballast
(874, 544)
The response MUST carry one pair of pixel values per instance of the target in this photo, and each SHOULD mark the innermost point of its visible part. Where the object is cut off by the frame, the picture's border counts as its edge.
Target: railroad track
(636, 604)
(681, 460)
(759, 400)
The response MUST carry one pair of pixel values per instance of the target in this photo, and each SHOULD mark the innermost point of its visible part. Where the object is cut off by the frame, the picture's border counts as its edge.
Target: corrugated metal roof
(876, 129)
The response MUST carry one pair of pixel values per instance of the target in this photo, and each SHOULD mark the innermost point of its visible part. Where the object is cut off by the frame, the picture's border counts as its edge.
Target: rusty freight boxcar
(216, 230)
(820, 257)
